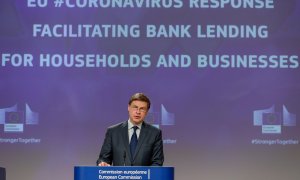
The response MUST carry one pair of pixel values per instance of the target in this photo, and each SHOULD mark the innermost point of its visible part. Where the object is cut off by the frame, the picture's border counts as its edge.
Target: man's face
(137, 111)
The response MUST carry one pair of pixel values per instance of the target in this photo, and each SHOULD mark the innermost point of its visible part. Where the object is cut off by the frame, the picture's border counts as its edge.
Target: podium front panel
(123, 172)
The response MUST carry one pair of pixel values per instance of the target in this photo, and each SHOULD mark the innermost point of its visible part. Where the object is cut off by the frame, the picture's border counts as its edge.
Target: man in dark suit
(133, 142)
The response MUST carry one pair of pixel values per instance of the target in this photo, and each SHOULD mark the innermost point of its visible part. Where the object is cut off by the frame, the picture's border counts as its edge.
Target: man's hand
(103, 164)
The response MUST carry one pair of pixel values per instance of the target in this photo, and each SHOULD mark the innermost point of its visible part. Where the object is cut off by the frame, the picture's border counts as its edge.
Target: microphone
(124, 156)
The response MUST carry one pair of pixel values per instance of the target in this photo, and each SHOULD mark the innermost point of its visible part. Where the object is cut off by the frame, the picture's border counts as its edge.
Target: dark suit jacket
(115, 149)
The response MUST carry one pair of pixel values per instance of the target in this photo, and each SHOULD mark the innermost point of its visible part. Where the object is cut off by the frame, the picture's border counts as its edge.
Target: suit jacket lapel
(126, 139)
(143, 135)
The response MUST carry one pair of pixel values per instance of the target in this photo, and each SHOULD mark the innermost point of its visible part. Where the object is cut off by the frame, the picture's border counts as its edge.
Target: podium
(2, 173)
(123, 172)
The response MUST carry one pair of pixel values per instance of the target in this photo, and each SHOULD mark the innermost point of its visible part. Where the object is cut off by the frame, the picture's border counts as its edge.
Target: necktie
(133, 141)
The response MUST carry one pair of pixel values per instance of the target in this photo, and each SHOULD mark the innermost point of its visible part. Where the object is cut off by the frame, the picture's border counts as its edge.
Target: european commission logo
(272, 121)
(160, 118)
(14, 118)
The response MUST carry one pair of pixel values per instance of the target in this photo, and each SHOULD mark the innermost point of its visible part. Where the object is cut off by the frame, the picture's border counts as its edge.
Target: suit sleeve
(158, 153)
(106, 150)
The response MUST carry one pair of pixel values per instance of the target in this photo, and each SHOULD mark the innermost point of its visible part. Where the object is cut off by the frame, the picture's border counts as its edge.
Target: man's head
(138, 107)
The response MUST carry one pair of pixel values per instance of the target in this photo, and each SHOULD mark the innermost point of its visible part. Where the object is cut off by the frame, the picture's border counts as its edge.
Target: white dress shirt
(130, 129)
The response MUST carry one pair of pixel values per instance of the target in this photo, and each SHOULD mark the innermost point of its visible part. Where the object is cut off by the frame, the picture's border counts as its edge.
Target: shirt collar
(130, 125)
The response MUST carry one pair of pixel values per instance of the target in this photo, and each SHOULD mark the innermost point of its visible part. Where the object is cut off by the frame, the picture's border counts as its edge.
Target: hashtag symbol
(58, 3)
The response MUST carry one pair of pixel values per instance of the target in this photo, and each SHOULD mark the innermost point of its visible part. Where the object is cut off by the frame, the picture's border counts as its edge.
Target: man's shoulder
(117, 126)
(151, 127)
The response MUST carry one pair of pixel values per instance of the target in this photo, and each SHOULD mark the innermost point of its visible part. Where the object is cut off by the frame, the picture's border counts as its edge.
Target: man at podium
(133, 142)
